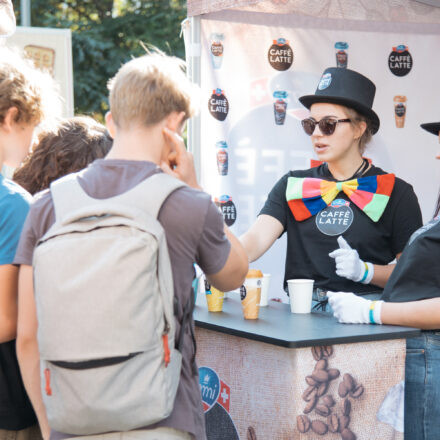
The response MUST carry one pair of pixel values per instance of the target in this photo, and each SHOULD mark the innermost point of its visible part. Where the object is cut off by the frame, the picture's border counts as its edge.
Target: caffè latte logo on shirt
(218, 105)
(280, 54)
(400, 60)
(336, 218)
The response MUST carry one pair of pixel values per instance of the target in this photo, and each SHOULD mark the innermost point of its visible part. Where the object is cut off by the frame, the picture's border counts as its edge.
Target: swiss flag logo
(259, 92)
(225, 396)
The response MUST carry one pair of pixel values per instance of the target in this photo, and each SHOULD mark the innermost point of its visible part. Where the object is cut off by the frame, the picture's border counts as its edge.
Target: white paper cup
(300, 293)
(264, 289)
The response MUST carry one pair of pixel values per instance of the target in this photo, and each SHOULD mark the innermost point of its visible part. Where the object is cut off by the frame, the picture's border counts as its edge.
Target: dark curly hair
(70, 146)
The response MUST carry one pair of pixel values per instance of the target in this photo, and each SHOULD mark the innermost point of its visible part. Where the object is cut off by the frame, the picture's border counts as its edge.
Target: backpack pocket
(113, 395)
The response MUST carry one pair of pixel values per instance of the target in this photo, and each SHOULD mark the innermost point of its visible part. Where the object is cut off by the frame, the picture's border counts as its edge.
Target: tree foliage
(107, 33)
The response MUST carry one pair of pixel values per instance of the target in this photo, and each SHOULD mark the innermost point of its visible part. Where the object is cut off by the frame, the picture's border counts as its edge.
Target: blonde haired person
(23, 94)
(346, 219)
(150, 100)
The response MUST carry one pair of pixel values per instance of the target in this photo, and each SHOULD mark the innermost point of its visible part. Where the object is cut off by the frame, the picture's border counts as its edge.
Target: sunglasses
(326, 125)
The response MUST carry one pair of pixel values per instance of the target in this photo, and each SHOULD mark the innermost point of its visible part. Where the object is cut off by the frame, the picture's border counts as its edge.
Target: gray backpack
(105, 305)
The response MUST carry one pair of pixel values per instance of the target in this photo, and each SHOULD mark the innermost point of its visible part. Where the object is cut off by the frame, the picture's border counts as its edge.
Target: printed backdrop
(257, 391)
(254, 66)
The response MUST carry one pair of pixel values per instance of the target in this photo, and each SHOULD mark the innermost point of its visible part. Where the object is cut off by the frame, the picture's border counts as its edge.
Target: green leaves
(107, 33)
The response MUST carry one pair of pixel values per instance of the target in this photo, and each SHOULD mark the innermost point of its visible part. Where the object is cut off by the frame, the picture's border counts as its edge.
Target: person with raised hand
(141, 232)
(349, 265)
(375, 211)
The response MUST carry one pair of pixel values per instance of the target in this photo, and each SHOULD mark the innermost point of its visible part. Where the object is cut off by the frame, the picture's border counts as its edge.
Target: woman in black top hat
(345, 196)
(412, 298)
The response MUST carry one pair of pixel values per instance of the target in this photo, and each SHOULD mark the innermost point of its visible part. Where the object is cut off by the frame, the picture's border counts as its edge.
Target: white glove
(349, 308)
(349, 265)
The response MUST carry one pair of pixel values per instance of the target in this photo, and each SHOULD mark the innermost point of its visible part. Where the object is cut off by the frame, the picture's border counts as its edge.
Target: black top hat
(346, 87)
(432, 127)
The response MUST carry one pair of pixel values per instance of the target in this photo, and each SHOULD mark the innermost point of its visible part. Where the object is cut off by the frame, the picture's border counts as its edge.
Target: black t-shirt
(309, 242)
(417, 274)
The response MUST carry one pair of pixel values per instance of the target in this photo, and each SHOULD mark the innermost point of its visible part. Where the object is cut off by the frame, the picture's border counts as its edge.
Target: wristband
(371, 312)
(378, 312)
(365, 273)
(370, 273)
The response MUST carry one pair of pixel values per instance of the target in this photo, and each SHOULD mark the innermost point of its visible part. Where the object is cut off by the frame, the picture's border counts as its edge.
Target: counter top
(277, 326)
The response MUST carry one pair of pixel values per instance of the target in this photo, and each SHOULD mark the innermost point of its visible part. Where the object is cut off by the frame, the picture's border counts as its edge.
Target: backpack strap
(186, 321)
(68, 195)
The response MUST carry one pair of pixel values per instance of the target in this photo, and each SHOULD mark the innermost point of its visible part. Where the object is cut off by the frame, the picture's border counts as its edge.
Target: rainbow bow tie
(306, 196)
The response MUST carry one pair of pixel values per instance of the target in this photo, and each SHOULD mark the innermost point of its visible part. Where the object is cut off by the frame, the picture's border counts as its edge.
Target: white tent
(259, 149)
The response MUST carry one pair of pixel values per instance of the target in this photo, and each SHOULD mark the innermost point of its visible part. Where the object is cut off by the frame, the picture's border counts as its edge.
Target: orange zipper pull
(166, 349)
(47, 377)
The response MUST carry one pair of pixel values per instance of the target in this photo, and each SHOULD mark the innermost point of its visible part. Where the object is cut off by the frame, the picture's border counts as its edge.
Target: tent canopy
(406, 11)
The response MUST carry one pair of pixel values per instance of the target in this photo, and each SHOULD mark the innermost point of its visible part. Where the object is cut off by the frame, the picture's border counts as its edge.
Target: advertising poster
(255, 66)
(257, 391)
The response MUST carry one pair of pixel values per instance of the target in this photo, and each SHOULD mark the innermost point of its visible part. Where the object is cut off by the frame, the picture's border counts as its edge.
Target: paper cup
(250, 294)
(300, 292)
(264, 289)
(214, 298)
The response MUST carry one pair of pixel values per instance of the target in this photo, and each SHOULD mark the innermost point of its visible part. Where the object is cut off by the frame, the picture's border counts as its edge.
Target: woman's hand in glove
(349, 265)
(349, 308)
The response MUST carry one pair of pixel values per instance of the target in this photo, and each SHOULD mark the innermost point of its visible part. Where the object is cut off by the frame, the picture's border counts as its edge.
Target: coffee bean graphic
(322, 410)
(346, 407)
(344, 421)
(320, 376)
(309, 407)
(357, 392)
(346, 434)
(349, 382)
(317, 353)
(342, 389)
(322, 389)
(311, 381)
(328, 400)
(333, 373)
(333, 423)
(251, 435)
(321, 365)
(303, 423)
(309, 393)
(327, 350)
(319, 427)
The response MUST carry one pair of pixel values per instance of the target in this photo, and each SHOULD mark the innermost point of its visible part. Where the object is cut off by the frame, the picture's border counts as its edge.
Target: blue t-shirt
(14, 207)
(16, 411)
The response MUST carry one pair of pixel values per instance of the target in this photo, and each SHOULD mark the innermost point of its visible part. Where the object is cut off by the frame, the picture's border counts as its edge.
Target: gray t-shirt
(194, 231)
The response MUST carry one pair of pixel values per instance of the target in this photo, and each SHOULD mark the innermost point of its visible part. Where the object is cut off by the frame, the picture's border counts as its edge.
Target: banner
(50, 49)
(254, 67)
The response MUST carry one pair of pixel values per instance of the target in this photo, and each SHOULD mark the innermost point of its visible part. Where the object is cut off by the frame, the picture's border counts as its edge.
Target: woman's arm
(382, 273)
(261, 236)
(352, 309)
(424, 314)
(27, 345)
(349, 265)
